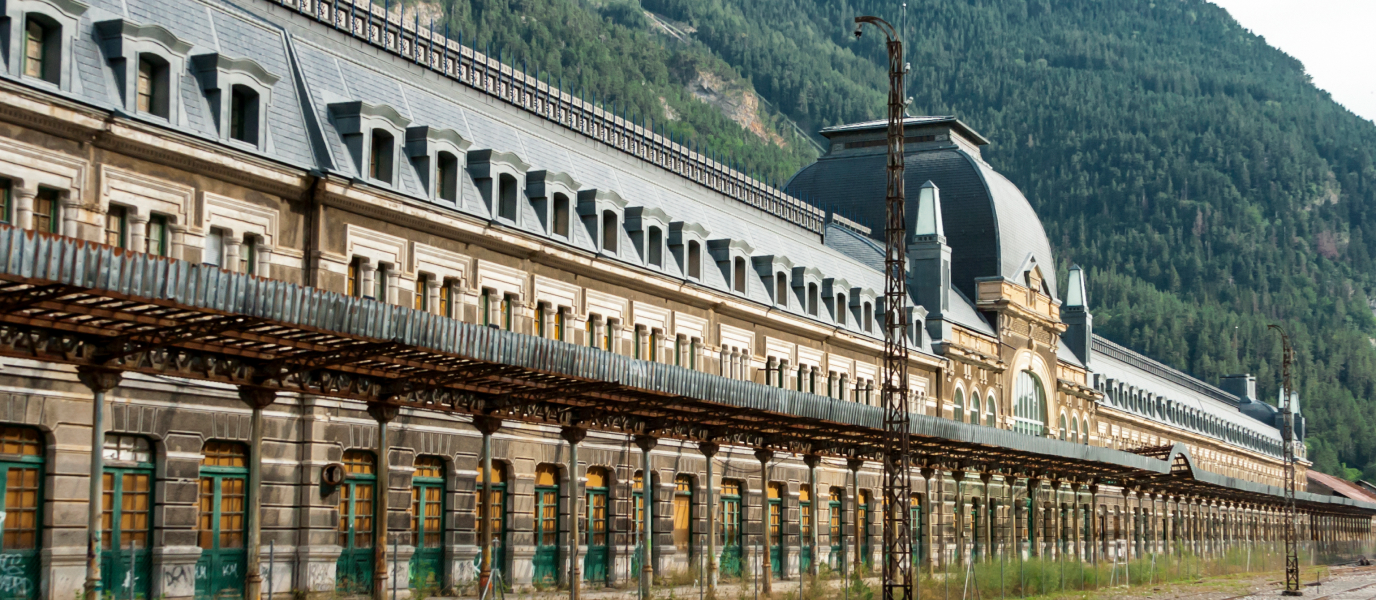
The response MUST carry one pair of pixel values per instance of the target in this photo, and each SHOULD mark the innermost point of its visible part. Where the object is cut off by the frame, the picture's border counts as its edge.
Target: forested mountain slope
(1198, 175)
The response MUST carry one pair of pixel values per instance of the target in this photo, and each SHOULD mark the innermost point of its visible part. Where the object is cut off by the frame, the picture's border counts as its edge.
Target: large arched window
(1029, 408)
(974, 408)
(958, 406)
(991, 416)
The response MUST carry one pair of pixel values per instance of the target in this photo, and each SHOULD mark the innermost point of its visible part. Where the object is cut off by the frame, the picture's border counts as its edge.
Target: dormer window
(655, 247)
(694, 260)
(147, 61)
(243, 114)
(560, 226)
(812, 299)
(841, 309)
(380, 156)
(42, 49)
(869, 318)
(506, 197)
(609, 229)
(372, 134)
(781, 289)
(152, 85)
(240, 92)
(447, 176)
(738, 276)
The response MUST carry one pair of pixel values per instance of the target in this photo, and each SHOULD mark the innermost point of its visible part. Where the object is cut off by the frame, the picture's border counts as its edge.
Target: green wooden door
(595, 532)
(836, 530)
(21, 464)
(546, 560)
(427, 524)
(221, 569)
(730, 540)
(775, 528)
(354, 569)
(125, 558)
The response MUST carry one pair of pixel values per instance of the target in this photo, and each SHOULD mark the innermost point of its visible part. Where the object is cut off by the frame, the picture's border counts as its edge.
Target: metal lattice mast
(1287, 434)
(898, 541)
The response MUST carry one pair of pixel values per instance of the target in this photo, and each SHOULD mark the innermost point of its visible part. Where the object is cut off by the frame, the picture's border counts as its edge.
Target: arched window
(958, 406)
(655, 250)
(152, 85)
(244, 115)
(1065, 430)
(447, 185)
(427, 521)
(493, 507)
(694, 260)
(683, 514)
(356, 521)
(974, 408)
(220, 514)
(506, 197)
(380, 156)
(43, 49)
(595, 533)
(1075, 430)
(546, 570)
(127, 512)
(991, 415)
(1029, 408)
(609, 227)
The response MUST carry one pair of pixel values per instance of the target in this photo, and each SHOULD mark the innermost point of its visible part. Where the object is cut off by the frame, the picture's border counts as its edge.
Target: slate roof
(1177, 395)
(990, 226)
(318, 66)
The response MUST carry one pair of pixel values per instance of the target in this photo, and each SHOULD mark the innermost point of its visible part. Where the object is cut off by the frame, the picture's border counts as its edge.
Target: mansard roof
(990, 227)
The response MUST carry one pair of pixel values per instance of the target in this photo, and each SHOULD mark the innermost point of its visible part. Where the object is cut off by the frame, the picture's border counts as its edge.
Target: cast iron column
(487, 426)
(854, 465)
(99, 381)
(709, 450)
(647, 489)
(574, 436)
(384, 414)
(257, 399)
(767, 564)
(811, 461)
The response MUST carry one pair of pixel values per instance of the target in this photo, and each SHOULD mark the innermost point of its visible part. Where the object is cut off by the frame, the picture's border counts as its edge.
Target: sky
(1335, 39)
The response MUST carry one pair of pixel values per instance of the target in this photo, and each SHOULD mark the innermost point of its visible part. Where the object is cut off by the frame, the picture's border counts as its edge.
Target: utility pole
(898, 562)
(1287, 434)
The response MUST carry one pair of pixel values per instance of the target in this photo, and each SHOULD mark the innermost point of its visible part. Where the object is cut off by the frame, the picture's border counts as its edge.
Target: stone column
(69, 212)
(487, 426)
(24, 198)
(232, 261)
(257, 399)
(1010, 531)
(99, 381)
(709, 451)
(138, 231)
(766, 572)
(647, 490)
(432, 293)
(1130, 524)
(574, 436)
(384, 414)
(811, 461)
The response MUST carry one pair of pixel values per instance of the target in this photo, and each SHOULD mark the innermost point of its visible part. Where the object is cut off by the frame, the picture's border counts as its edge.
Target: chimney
(929, 258)
(1243, 386)
(1079, 333)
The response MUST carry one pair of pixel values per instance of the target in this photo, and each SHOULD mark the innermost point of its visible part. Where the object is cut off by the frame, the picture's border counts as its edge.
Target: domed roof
(989, 225)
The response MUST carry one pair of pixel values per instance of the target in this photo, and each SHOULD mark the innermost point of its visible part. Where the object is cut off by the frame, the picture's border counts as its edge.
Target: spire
(929, 211)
